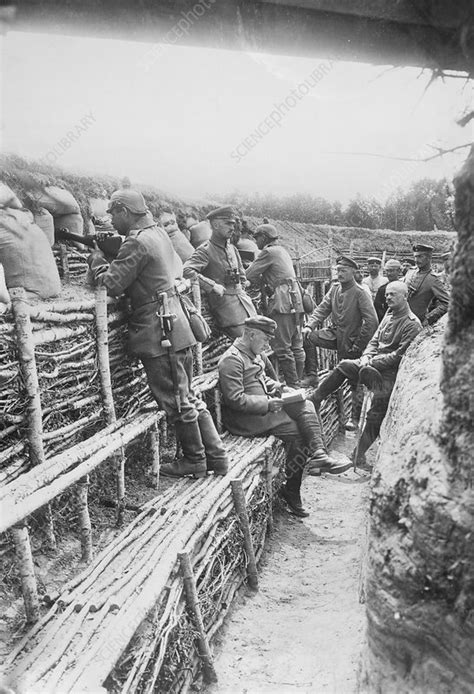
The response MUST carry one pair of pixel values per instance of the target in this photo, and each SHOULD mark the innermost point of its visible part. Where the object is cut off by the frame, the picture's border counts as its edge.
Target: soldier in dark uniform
(145, 270)
(273, 270)
(253, 407)
(378, 366)
(427, 295)
(221, 274)
(393, 270)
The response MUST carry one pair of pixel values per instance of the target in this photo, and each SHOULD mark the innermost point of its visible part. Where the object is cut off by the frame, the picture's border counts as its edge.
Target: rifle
(108, 243)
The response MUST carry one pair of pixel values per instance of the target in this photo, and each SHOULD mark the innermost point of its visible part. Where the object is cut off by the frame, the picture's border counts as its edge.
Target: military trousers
(167, 393)
(288, 346)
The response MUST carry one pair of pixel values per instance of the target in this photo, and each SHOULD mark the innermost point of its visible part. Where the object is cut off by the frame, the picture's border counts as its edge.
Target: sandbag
(200, 232)
(26, 255)
(8, 197)
(56, 200)
(72, 222)
(45, 221)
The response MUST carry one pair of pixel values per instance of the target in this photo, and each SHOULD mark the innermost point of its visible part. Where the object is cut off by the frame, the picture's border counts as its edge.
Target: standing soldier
(427, 295)
(393, 270)
(375, 280)
(180, 243)
(273, 269)
(219, 268)
(353, 319)
(159, 333)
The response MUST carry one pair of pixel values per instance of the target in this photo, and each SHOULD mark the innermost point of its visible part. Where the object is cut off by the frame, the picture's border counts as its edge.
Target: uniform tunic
(353, 316)
(427, 296)
(220, 262)
(274, 268)
(145, 267)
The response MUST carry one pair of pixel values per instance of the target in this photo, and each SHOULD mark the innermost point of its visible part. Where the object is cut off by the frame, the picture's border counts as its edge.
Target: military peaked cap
(422, 248)
(348, 262)
(373, 259)
(268, 230)
(266, 325)
(393, 263)
(226, 212)
(131, 199)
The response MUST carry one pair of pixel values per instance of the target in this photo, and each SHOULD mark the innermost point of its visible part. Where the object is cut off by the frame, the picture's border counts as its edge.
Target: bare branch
(439, 153)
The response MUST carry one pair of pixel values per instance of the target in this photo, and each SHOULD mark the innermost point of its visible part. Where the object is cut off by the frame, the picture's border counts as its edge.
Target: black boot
(370, 433)
(194, 456)
(310, 366)
(290, 492)
(288, 369)
(334, 381)
(216, 455)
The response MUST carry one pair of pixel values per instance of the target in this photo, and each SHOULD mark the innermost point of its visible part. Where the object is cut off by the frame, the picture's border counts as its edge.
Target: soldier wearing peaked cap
(375, 280)
(221, 274)
(353, 321)
(427, 295)
(273, 270)
(253, 407)
(159, 332)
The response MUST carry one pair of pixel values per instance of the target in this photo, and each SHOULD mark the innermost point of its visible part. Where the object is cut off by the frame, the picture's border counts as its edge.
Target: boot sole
(194, 475)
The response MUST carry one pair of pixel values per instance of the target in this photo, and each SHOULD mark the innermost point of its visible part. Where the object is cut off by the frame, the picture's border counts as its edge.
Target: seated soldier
(377, 367)
(252, 407)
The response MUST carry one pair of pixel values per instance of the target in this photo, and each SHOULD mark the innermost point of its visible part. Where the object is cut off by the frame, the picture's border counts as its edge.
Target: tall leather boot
(318, 460)
(311, 365)
(216, 455)
(370, 433)
(328, 386)
(288, 369)
(194, 456)
(290, 492)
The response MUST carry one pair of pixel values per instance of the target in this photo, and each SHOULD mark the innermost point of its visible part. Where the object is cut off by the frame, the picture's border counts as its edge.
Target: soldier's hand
(218, 289)
(306, 332)
(275, 404)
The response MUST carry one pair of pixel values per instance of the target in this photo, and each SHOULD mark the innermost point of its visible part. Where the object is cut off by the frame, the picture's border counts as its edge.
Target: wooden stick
(218, 409)
(155, 455)
(84, 519)
(196, 291)
(241, 511)
(268, 473)
(64, 262)
(21, 540)
(194, 610)
(107, 394)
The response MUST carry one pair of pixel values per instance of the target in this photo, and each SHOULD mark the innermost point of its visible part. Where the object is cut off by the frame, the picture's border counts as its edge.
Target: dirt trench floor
(303, 630)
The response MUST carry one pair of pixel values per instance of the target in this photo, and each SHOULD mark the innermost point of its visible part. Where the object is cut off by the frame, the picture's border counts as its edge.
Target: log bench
(78, 642)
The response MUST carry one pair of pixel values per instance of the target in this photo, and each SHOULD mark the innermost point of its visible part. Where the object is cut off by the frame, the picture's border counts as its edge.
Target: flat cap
(374, 259)
(226, 212)
(268, 230)
(266, 325)
(348, 262)
(131, 199)
(410, 261)
(422, 248)
(393, 263)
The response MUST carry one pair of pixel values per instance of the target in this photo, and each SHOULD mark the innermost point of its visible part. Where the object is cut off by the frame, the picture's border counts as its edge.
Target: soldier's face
(223, 228)
(422, 259)
(393, 273)
(168, 222)
(259, 341)
(260, 240)
(344, 273)
(395, 296)
(373, 269)
(120, 218)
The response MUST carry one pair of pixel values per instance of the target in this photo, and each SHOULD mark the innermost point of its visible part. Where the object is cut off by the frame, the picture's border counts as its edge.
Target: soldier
(221, 274)
(446, 271)
(393, 270)
(180, 243)
(352, 314)
(375, 280)
(408, 266)
(253, 407)
(427, 295)
(159, 333)
(378, 366)
(273, 270)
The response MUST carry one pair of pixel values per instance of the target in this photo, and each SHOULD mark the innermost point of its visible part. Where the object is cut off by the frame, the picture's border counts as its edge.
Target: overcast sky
(196, 121)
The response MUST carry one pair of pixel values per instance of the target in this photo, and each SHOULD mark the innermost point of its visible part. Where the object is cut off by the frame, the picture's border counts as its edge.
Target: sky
(196, 121)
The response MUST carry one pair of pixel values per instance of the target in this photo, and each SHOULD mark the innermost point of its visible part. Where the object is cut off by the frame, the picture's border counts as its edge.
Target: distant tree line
(426, 205)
